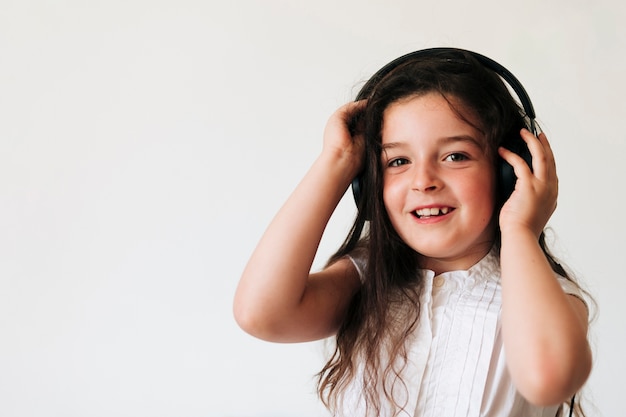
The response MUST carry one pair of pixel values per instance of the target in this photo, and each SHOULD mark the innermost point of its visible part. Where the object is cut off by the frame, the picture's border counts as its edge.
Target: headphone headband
(488, 63)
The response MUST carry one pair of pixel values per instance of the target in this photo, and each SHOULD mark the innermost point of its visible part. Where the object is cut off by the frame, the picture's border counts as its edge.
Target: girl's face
(438, 183)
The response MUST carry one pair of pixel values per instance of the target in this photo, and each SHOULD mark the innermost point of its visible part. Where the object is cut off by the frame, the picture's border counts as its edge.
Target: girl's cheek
(391, 192)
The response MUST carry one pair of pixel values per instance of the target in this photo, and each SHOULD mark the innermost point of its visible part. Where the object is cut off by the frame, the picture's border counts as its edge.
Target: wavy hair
(371, 345)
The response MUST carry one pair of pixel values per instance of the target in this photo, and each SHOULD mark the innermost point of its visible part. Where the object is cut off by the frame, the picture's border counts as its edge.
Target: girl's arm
(544, 329)
(277, 298)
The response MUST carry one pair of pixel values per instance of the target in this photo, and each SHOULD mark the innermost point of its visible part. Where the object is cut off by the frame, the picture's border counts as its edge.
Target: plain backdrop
(145, 145)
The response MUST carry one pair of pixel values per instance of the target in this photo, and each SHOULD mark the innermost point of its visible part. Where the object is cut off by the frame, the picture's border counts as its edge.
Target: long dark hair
(371, 342)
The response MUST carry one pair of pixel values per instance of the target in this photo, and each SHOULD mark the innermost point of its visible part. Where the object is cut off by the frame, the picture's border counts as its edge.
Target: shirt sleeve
(359, 260)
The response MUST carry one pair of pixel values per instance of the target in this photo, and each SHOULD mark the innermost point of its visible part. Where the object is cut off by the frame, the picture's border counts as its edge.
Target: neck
(463, 262)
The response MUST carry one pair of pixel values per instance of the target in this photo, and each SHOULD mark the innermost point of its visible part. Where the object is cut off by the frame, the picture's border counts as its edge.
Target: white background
(145, 145)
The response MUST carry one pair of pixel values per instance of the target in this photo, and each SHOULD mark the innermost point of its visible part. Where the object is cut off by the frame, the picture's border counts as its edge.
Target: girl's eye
(456, 157)
(397, 162)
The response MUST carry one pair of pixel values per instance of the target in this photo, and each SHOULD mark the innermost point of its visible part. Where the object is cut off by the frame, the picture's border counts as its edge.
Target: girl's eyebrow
(464, 138)
(446, 140)
(392, 145)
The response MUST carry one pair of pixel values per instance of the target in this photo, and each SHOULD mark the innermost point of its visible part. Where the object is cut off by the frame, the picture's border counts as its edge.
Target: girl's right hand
(278, 297)
(340, 142)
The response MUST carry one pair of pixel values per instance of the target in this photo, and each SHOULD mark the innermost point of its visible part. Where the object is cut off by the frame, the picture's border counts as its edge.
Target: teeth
(429, 212)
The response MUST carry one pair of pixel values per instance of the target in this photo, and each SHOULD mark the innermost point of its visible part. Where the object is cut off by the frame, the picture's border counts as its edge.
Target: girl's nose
(425, 178)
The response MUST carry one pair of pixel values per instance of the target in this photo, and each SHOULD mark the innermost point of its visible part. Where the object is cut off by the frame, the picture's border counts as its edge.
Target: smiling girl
(443, 300)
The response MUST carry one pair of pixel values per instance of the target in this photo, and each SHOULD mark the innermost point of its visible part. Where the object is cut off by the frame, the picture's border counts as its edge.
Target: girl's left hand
(534, 199)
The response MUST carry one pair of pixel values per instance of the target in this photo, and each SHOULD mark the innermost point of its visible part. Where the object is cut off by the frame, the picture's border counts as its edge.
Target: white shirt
(457, 362)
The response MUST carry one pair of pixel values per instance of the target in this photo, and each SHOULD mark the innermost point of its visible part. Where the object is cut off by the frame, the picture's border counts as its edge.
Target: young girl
(444, 300)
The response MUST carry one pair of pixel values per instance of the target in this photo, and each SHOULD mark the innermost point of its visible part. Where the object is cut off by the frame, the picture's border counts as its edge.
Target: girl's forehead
(435, 100)
(429, 116)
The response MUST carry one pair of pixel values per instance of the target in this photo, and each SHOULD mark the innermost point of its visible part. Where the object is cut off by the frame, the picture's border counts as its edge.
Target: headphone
(506, 174)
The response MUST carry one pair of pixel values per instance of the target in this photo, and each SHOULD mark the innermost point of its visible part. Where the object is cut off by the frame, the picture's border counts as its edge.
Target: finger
(542, 159)
(520, 167)
(546, 145)
(351, 108)
(351, 114)
(550, 159)
(345, 115)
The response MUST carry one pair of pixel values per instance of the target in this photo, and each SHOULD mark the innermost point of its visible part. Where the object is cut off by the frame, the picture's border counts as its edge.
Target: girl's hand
(343, 138)
(278, 297)
(544, 329)
(535, 196)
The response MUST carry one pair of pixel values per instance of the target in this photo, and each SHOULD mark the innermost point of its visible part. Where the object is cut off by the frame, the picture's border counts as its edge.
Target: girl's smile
(438, 182)
(432, 212)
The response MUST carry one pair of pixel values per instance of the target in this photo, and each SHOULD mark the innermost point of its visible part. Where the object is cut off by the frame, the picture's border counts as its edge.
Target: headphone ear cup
(356, 189)
(358, 184)
(507, 178)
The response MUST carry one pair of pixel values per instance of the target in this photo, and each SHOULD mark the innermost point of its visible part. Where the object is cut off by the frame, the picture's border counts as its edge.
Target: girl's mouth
(426, 213)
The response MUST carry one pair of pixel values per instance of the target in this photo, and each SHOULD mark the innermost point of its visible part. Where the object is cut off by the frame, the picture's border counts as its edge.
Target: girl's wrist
(518, 232)
(340, 162)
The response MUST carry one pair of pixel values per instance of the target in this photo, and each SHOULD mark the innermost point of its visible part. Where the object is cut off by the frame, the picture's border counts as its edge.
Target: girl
(447, 303)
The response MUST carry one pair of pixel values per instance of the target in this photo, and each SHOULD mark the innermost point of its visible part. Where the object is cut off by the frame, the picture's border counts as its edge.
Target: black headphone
(507, 176)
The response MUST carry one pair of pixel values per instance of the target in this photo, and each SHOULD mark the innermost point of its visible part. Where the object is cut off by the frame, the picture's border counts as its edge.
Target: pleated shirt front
(456, 365)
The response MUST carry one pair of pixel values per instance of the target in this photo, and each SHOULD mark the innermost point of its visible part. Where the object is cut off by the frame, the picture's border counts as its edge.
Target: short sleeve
(358, 257)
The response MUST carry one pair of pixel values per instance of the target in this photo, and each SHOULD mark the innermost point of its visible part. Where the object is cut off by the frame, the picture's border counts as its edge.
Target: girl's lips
(428, 212)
